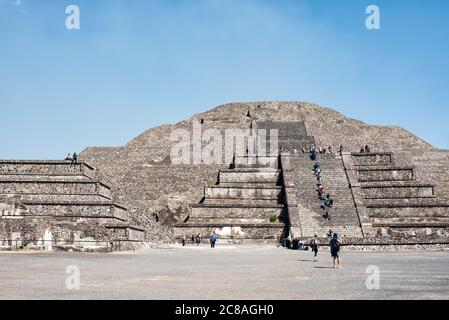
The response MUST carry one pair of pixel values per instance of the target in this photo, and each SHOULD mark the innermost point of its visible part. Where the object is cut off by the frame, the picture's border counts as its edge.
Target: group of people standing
(194, 239)
(73, 159)
(365, 149)
(334, 245)
(315, 151)
(198, 239)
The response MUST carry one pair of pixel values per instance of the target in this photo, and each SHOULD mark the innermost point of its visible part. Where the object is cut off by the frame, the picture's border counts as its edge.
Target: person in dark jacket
(314, 246)
(334, 244)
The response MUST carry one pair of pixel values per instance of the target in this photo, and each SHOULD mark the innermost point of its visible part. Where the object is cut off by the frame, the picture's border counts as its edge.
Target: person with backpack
(328, 203)
(213, 239)
(317, 168)
(334, 244)
(314, 246)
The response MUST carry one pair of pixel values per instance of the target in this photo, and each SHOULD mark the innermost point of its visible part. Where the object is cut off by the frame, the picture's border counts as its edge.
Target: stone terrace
(62, 203)
(397, 202)
(245, 205)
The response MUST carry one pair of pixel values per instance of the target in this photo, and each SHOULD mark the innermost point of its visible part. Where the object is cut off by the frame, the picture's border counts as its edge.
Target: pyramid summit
(396, 193)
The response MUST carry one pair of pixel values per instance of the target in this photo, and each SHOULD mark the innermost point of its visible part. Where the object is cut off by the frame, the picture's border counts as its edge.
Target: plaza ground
(227, 272)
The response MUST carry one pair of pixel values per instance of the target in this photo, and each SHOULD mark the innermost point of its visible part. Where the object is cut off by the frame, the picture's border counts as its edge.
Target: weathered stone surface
(45, 209)
(403, 169)
(150, 185)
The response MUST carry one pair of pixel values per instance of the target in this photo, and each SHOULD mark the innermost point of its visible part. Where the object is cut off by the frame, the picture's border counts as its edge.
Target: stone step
(75, 209)
(242, 201)
(256, 162)
(226, 192)
(373, 159)
(249, 185)
(52, 187)
(235, 212)
(67, 210)
(341, 230)
(230, 231)
(44, 178)
(59, 197)
(411, 211)
(412, 219)
(412, 224)
(402, 202)
(237, 205)
(44, 167)
(385, 173)
(72, 231)
(396, 190)
(252, 170)
(249, 175)
(394, 184)
(229, 221)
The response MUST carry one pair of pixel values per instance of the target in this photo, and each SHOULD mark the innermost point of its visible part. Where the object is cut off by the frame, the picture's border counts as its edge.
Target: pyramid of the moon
(398, 193)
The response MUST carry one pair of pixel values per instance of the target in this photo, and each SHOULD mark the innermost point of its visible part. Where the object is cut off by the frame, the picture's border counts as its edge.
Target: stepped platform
(245, 191)
(397, 202)
(249, 175)
(246, 204)
(385, 173)
(397, 189)
(48, 200)
(373, 159)
(51, 167)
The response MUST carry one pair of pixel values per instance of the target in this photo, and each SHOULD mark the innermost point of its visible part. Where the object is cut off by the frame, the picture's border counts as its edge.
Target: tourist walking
(314, 246)
(183, 240)
(198, 239)
(334, 244)
(327, 203)
(213, 239)
(317, 169)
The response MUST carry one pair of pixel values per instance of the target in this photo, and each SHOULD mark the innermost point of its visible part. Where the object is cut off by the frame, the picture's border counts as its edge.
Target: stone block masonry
(396, 200)
(246, 204)
(61, 203)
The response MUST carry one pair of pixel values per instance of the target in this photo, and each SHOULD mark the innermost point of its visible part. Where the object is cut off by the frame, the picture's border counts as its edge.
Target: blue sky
(138, 64)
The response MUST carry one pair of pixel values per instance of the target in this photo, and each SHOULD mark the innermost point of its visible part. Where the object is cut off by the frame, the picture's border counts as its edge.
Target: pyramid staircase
(304, 205)
(62, 203)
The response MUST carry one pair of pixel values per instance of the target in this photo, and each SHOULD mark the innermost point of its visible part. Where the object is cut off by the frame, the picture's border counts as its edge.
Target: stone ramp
(61, 201)
(305, 212)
